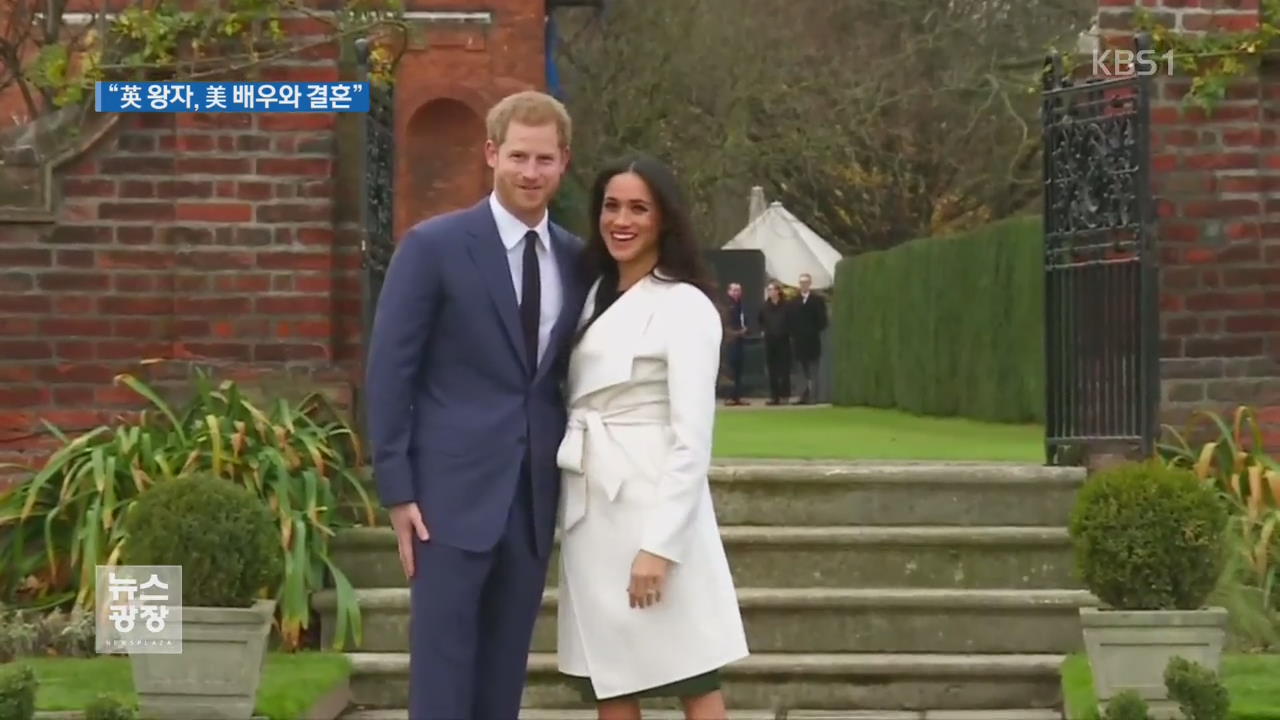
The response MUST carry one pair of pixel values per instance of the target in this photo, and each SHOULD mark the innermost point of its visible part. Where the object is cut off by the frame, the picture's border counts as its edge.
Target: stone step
(900, 493)
(836, 556)
(792, 492)
(816, 681)
(818, 620)
(790, 714)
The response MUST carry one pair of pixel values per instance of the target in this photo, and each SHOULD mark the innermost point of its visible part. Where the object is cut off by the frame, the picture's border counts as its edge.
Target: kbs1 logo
(1123, 62)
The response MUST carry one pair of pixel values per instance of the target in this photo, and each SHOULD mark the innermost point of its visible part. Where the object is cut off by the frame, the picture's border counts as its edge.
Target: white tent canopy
(790, 247)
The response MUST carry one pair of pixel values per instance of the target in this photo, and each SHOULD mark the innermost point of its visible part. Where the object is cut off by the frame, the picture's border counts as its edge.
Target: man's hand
(648, 575)
(406, 519)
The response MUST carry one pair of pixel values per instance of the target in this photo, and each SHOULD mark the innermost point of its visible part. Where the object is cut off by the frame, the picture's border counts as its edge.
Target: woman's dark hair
(679, 255)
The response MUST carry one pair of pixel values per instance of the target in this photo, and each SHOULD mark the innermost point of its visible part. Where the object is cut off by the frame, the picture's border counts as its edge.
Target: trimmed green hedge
(949, 325)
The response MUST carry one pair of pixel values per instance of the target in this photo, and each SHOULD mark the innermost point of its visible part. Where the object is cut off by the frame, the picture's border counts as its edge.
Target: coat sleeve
(401, 332)
(693, 361)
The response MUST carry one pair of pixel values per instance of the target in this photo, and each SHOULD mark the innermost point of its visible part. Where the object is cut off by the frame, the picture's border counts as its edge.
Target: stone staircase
(907, 591)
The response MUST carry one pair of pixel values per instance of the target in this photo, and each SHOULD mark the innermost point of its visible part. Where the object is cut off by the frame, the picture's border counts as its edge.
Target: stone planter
(1129, 649)
(217, 674)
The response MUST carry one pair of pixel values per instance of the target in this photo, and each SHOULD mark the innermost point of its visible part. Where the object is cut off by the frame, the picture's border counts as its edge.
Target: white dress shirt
(512, 230)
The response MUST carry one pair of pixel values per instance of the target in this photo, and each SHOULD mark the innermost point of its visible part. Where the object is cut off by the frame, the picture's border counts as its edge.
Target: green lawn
(1252, 681)
(291, 682)
(858, 433)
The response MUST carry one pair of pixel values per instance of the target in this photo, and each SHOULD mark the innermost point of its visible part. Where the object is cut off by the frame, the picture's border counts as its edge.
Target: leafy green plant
(27, 632)
(301, 459)
(18, 686)
(109, 707)
(1197, 690)
(221, 535)
(1254, 625)
(19, 636)
(1127, 705)
(1149, 537)
(1237, 463)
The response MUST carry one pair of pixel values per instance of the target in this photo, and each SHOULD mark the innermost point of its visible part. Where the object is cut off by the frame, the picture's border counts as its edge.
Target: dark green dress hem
(688, 687)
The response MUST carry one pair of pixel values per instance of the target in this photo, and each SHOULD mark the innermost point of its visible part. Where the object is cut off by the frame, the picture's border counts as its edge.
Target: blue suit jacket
(450, 405)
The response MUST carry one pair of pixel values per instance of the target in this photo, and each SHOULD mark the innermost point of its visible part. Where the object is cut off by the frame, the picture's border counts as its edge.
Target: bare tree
(875, 121)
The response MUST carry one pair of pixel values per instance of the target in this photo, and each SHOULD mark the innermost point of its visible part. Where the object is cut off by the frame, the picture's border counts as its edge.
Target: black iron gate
(378, 135)
(1101, 300)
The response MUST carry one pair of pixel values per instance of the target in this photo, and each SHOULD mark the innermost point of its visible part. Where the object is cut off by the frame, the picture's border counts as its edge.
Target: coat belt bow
(588, 425)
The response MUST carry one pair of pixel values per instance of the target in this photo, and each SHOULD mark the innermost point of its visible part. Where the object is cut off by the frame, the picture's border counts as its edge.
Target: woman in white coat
(647, 605)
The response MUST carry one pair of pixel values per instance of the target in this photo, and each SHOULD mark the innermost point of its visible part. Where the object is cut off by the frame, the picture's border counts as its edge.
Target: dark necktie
(531, 298)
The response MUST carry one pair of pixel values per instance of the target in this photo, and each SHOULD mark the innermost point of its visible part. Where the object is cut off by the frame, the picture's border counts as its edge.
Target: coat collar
(607, 349)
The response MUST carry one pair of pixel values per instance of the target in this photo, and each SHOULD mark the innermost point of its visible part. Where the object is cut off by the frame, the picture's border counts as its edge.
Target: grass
(1252, 681)
(291, 682)
(860, 433)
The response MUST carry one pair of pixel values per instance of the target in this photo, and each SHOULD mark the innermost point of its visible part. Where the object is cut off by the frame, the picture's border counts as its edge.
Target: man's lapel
(571, 294)
(490, 256)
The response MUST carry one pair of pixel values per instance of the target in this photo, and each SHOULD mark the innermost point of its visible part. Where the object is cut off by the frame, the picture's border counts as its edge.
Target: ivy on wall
(1213, 59)
(228, 40)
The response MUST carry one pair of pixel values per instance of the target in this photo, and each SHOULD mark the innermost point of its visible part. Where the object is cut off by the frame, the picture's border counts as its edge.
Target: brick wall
(1217, 181)
(230, 241)
(211, 239)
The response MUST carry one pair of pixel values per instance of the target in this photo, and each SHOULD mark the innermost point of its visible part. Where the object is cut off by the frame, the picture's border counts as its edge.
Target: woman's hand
(648, 575)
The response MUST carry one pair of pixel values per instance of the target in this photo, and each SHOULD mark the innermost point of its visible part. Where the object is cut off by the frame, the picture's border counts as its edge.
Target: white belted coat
(634, 461)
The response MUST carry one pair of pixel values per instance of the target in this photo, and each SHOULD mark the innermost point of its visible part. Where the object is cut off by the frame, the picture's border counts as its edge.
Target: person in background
(807, 319)
(777, 344)
(736, 324)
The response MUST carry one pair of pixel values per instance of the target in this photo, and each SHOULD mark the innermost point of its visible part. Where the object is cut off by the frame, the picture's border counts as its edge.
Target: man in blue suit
(464, 384)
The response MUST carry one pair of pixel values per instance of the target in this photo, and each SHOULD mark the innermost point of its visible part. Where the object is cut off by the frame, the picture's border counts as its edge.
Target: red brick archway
(444, 87)
(443, 167)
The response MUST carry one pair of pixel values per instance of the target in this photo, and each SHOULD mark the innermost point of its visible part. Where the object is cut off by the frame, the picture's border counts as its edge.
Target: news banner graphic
(236, 97)
(138, 609)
